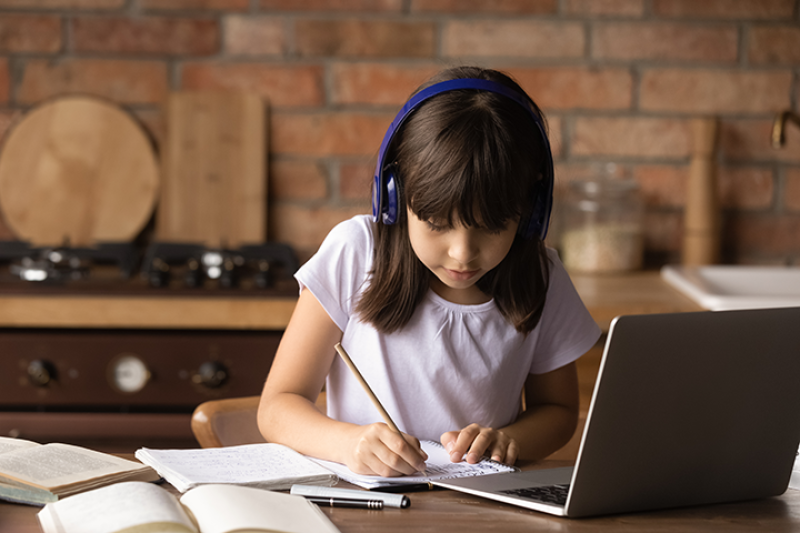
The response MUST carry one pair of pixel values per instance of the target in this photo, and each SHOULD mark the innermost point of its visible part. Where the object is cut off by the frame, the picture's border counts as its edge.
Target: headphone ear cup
(377, 198)
(392, 200)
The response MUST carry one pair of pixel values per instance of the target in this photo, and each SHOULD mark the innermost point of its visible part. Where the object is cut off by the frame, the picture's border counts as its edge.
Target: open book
(277, 467)
(36, 473)
(145, 507)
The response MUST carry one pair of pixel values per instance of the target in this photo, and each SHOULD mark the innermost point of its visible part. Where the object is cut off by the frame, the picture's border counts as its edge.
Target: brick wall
(619, 80)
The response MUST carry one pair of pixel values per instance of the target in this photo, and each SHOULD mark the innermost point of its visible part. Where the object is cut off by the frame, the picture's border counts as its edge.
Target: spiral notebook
(439, 467)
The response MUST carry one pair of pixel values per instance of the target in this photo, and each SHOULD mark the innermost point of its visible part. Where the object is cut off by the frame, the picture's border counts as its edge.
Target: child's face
(458, 256)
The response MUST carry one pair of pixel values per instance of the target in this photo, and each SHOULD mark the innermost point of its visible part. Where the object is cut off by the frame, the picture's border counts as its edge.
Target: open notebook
(439, 468)
(277, 467)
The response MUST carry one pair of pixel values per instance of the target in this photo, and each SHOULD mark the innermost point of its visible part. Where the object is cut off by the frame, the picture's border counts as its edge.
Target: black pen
(344, 502)
(410, 487)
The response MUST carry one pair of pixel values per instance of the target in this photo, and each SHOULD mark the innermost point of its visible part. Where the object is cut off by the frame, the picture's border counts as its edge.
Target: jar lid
(604, 186)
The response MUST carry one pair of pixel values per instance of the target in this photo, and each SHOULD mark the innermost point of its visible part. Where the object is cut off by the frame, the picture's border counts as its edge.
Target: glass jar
(603, 227)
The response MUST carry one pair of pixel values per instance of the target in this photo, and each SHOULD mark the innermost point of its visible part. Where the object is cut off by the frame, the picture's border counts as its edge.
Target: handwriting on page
(241, 464)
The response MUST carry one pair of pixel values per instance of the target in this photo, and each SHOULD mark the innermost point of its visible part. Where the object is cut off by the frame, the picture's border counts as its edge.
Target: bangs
(476, 168)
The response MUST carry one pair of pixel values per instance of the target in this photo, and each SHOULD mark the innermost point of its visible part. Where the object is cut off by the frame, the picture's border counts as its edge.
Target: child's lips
(461, 275)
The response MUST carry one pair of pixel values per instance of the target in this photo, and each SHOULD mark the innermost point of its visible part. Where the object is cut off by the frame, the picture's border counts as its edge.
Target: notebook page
(438, 467)
(270, 466)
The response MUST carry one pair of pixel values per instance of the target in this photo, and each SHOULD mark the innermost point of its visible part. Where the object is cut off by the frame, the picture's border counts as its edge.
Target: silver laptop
(688, 409)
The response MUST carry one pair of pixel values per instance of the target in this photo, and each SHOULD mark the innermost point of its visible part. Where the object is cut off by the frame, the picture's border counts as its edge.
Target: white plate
(721, 287)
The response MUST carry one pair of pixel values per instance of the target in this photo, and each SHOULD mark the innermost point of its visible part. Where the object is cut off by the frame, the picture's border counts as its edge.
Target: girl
(446, 299)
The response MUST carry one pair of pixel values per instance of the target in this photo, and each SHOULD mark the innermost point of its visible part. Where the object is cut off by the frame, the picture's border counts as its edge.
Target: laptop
(688, 409)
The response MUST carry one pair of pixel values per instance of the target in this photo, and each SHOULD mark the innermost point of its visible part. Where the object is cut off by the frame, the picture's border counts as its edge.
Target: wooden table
(443, 511)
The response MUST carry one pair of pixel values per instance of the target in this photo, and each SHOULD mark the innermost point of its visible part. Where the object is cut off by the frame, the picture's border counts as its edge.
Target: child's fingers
(485, 438)
(381, 451)
(462, 442)
(475, 442)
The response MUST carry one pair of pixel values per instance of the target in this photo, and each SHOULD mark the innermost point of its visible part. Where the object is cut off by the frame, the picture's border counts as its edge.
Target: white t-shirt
(452, 364)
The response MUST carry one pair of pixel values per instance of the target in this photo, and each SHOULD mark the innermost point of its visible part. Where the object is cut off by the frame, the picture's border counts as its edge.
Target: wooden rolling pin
(701, 232)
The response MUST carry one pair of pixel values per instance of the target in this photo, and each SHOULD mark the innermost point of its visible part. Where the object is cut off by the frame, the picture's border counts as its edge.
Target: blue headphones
(385, 200)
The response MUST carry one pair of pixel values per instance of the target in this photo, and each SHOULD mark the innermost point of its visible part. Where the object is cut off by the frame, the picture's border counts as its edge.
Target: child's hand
(477, 441)
(377, 450)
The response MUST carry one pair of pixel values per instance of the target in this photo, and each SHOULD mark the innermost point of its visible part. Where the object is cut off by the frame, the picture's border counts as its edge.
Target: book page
(8, 444)
(115, 508)
(52, 466)
(438, 464)
(225, 508)
(266, 465)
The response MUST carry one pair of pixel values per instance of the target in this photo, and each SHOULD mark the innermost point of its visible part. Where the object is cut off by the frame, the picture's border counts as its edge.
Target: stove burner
(197, 263)
(57, 264)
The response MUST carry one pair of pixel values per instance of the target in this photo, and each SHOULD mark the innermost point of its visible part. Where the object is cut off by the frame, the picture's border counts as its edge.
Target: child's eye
(433, 226)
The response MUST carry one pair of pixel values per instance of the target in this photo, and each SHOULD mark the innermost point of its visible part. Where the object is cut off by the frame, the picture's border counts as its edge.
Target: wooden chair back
(230, 421)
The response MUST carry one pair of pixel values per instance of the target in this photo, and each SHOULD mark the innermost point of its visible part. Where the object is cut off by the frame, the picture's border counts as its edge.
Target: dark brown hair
(477, 156)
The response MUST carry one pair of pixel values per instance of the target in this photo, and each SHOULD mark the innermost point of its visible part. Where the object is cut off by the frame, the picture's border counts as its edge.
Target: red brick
(129, 82)
(297, 180)
(791, 191)
(281, 85)
(216, 5)
(577, 87)
(571, 171)
(637, 137)
(365, 38)
(662, 185)
(364, 6)
(725, 9)
(355, 180)
(323, 134)
(774, 45)
(146, 35)
(30, 33)
(601, 8)
(63, 4)
(738, 187)
(665, 41)
(504, 38)
(305, 227)
(5, 81)
(377, 83)
(469, 7)
(745, 188)
(555, 134)
(761, 233)
(248, 35)
(750, 140)
(714, 91)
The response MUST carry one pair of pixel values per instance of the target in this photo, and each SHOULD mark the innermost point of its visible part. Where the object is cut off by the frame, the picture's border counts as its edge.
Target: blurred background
(619, 81)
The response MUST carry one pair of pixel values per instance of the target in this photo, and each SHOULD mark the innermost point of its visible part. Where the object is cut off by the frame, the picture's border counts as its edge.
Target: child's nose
(463, 247)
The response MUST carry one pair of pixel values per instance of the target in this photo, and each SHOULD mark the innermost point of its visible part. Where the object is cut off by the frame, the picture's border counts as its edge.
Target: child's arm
(287, 413)
(546, 425)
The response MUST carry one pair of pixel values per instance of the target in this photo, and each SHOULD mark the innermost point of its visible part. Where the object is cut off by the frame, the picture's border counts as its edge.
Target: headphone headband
(384, 192)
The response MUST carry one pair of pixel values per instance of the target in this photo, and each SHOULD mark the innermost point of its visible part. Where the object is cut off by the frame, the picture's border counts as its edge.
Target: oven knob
(128, 374)
(211, 374)
(41, 372)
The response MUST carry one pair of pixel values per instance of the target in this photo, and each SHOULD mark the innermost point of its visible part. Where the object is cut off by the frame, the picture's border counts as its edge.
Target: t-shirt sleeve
(566, 329)
(336, 273)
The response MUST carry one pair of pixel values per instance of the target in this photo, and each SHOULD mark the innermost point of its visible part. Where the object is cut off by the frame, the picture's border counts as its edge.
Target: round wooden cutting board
(77, 170)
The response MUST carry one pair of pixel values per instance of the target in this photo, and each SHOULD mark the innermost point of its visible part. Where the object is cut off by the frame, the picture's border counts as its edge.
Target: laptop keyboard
(556, 494)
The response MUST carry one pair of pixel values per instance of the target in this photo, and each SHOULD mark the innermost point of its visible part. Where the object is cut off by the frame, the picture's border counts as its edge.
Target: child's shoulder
(358, 229)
